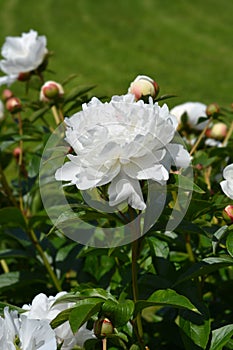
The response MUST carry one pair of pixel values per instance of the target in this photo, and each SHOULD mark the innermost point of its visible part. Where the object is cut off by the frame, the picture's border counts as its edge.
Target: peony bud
(17, 152)
(227, 214)
(51, 91)
(6, 94)
(143, 86)
(13, 105)
(218, 131)
(103, 327)
(211, 109)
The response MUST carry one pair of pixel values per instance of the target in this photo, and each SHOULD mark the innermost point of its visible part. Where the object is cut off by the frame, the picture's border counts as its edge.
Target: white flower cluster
(31, 330)
(120, 143)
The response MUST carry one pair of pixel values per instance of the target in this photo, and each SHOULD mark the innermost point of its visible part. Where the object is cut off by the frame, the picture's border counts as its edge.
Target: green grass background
(186, 45)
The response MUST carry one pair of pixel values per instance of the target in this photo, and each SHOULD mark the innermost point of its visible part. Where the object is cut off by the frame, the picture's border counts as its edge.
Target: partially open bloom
(227, 184)
(194, 111)
(22, 55)
(42, 308)
(120, 143)
(228, 213)
(13, 104)
(18, 332)
(51, 90)
(217, 131)
(143, 86)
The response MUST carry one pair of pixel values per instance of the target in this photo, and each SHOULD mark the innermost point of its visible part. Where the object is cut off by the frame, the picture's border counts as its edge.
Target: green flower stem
(228, 135)
(104, 342)
(55, 114)
(202, 134)
(189, 248)
(135, 248)
(38, 247)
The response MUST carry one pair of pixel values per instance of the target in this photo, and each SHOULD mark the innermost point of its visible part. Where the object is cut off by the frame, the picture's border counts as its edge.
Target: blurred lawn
(185, 45)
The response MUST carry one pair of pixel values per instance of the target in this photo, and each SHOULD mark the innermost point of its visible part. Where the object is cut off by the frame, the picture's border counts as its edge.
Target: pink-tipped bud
(103, 327)
(227, 214)
(51, 90)
(24, 76)
(143, 86)
(13, 105)
(17, 152)
(211, 109)
(218, 131)
(6, 94)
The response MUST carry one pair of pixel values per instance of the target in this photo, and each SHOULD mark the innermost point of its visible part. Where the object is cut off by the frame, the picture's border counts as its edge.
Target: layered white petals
(30, 334)
(21, 55)
(43, 308)
(36, 335)
(227, 184)
(121, 137)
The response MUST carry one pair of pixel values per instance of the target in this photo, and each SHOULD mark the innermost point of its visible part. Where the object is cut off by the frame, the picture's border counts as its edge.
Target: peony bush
(116, 213)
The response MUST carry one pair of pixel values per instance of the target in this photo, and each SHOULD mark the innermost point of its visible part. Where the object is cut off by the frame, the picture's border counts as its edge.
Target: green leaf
(195, 328)
(165, 297)
(218, 235)
(229, 243)
(186, 183)
(12, 216)
(84, 294)
(11, 307)
(62, 317)
(119, 313)
(83, 311)
(158, 248)
(221, 336)
(204, 267)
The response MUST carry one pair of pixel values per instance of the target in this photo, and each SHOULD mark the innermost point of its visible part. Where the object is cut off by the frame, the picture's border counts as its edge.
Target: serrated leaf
(166, 297)
(221, 336)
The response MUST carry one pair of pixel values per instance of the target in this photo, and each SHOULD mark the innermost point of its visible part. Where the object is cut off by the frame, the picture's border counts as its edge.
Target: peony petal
(228, 172)
(122, 189)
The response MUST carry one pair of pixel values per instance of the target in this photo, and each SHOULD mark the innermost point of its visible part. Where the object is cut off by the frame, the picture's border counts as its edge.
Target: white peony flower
(18, 332)
(120, 143)
(21, 55)
(194, 111)
(42, 308)
(227, 184)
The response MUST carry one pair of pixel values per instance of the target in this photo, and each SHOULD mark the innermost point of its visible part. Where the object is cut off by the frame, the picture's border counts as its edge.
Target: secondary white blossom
(227, 184)
(18, 332)
(120, 143)
(21, 55)
(42, 308)
(194, 111)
